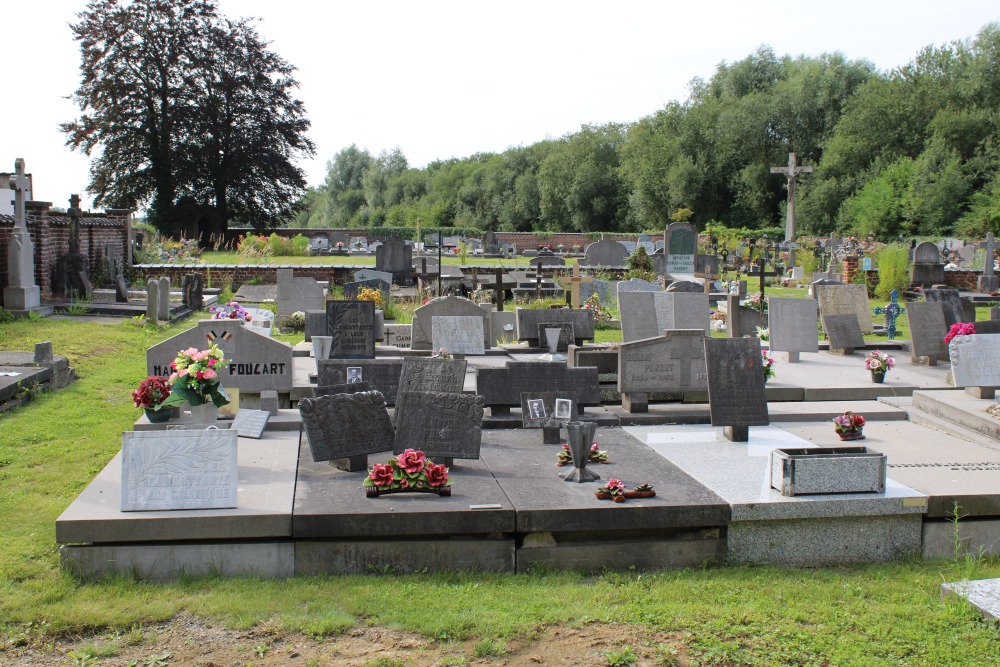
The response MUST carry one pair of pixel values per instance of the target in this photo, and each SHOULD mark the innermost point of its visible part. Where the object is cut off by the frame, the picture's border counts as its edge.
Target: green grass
(55, 445)
(230, 257)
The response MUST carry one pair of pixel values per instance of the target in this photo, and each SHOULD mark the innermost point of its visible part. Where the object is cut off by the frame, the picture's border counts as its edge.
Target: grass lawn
(54, 446)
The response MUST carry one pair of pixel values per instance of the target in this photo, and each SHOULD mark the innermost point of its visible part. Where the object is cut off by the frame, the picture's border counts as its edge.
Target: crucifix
(423, 275)
(19, 184)
(576, 281)
(74, 213)
(21, 292)
(790, 172)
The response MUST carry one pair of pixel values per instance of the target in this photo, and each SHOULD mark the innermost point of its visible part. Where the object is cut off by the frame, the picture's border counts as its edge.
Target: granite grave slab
(927, 332)
(792, 326)
(648, 314)
(250, 423)
(458, 334)
(501, 388)
(736, 396)
(422, 332)
(845, 300)
(347, 426)
(352, 326)
(844, 333)
(443, 425)
(381, 374)
(672, 363)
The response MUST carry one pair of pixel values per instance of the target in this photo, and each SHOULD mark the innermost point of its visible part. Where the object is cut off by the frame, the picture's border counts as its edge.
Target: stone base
(841, 351)
(168, 562)
(981, 392)
(682, 550)
(988, 284)
(22, 298)
(551, 435)
(404, 557)
(736, 433)
(792, 357)
(975, 536)
(635, 402)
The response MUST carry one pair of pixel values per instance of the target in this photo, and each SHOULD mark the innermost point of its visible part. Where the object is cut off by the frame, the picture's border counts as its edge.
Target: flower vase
(207, 413)
(157, 416)
(852, 435)
(878, 378)
(580, 436)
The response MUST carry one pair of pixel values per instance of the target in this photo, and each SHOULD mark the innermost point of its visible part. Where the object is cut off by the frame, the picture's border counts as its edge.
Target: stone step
(959, 412)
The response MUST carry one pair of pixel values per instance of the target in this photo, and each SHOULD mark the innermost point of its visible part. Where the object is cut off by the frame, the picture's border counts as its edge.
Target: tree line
(912, 151)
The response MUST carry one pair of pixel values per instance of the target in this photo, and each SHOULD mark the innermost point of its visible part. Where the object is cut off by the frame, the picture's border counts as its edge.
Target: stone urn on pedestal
(580, 436)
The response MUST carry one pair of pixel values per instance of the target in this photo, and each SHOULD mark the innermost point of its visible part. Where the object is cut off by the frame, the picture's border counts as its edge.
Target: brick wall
(236, 275)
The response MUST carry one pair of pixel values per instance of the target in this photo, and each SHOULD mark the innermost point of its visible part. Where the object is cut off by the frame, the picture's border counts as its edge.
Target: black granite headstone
(502, 387)
(381, 374)
(440, 424)
(352, 326)
(949, 297)
(345, 426)
(927, 331)
(736, 396)
(844, 333)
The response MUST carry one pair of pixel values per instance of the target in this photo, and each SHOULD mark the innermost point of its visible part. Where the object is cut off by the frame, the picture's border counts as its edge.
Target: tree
(183, 105)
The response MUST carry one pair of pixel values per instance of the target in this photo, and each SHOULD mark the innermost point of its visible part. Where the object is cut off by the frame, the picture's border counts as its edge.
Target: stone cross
(790, 172)
(988, 265)
(891, 312)
(19, 184)
(498, 291)
(684, 351)
(74, 213)
(576, 281)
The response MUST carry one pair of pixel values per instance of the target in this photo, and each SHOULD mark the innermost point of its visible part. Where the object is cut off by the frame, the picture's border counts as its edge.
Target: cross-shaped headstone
(891, 312)
(790, 172)
(423, 274)
(576, 281)
(19, 183)
(498, 291)
(74, 213)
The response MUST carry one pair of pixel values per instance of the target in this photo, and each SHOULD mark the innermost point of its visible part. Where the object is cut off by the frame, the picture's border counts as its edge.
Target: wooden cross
(19, 183)
(576, 281)
(790, 172)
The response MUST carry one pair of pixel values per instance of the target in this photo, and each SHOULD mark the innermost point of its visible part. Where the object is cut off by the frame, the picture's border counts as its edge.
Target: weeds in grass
(80, 306)
(383, 661)
(490, 648)
(261, 650)
(453, 661)
(622, 657)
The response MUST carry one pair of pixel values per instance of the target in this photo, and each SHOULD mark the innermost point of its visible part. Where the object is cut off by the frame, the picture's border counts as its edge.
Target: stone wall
(50, 237)
(219, 275)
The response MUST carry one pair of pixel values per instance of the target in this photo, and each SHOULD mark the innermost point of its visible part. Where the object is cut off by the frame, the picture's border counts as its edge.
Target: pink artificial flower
(404, 483)
(182, 372)
(208, 374)
(615, 483)
(594, 447)
(381, 474)
(411, 461)
(437, 474)
(191, 351)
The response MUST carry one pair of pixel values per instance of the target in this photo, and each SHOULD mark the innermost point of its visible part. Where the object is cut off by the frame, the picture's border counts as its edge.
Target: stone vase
(552, 339)
(580, 436)
(207, 413)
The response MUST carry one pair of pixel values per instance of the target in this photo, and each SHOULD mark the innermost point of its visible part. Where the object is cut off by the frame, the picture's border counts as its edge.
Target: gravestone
(680, 242)
(549, 411)
(300, 294)
(671, 363)
(566, 336)
(844, 333)
(742, 320)
(546, 260)
(359, 244)
(422, 332)
(988, 282)
(458, 334)
(443, 425)
(269, 401)
(351, 290)
(503, 325)
(153, 301)
(370, 274)
(319, 242)
(528, 320)
(250, 423)
(352, 326)
(951, 301)
(501, 388)
(629, 246)
(21, 292)
(432, 374)
(635, 285)
(648, 314)
(395, 257)
(817, 282)
(254, 362)
(927, 331)
(490, 243)
(163, 305)
(927, 268)
(261, 321)
(846, 300)
(605, 253)
(192, 288)
(381, 375)
(315, 324)
(256, 293)
(975, 363)
(179, 470)
(736, 397)
(347, 428)
(792, 326)
(599, 287)
(339, 241)
(398, 335)
(685, 286)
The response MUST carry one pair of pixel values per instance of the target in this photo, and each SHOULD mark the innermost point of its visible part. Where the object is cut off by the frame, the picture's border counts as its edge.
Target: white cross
(790, 172)
(19, 183)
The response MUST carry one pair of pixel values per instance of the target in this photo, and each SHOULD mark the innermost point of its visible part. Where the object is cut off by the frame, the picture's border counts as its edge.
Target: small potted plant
(767, 364)
(195, 380)
(879, 363)
(150, 395)
(849, 426)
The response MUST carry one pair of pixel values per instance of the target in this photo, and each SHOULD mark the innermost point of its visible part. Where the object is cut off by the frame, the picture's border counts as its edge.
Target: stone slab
(792, 325)
(347, 425)
(975, 360)
(458, 334)
(325, 557)
(735, 382)
(381, 374)
(441, 424)
(503, 386)
(352, 326)
(927, 330)
(844, 332)
(250, 423)
(648, 314)
(674, 362)
(845, 300)
(169, 562)
(422, 331)
(983, 594)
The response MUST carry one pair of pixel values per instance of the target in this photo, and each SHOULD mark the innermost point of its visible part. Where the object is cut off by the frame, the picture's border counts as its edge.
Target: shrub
(893, 263)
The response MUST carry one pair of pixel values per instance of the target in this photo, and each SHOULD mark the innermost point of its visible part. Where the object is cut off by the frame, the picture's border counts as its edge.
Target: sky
(450, 79)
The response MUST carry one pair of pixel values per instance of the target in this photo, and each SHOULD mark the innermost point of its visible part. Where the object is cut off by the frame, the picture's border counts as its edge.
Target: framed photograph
(353, 374)
(536, 407)
(564, 408)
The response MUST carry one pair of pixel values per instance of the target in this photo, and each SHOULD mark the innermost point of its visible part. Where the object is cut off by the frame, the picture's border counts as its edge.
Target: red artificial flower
(437, 474)
(381, 474)
(411, 461)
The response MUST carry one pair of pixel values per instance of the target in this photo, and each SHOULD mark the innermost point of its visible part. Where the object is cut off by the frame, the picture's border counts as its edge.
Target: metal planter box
(797, 472)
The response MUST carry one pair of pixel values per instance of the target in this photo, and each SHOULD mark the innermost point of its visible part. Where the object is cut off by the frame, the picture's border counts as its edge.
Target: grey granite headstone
(152, 300)
(792, 326)
(250, 423)
(927, 267)
(342, 426)
(256, 293)
(43, 353)
(844, 333)
(442, 306)
(298, 294)
(179, 470)
(254, 362)
(502, 387)
(398, 335)
(528, 320)
(629, 246)
(736, 397)
(371, 274)
(352, 326)
(951, 301)
(605, 253)
(742, 320)
(635, 285)
(599, 287)
(441, 424)
(975, 360)
(926, 253)
(546, 260)
(381, 374)
(565, 335)
(395, 257)
(927, 331)
(680, 242)
(458, 334)
(315, 324)
(846, 300)
(432, 374)
(648, 314)
(163, 305)
(672, 363)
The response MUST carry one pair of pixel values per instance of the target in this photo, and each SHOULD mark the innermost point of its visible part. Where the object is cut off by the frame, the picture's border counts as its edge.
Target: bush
(294, 323)
(893, 262)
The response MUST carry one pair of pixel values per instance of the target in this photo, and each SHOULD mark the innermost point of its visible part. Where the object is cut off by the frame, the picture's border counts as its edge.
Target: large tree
(189, 113)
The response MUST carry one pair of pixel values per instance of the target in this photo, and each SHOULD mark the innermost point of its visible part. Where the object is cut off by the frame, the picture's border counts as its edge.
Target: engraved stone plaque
(381, 374)
(352, 326)
(845, 300)
(441, 424)
(672, 363)
(345, 425)
(458, 334)
(975, 360)
(250, 423)
(843, 332)
(735, 382)
(927, 330)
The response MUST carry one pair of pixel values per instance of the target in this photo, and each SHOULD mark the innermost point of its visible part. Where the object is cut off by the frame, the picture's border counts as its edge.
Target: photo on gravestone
(440, 424)
(351, 324)
(843, 332)
(564, 409)
(354, 374)
(735, 382)
(536, 408)
(250, 423)
(565, 335)
(381, 374)
(344, 425)
(179, 470)
(927, 331)
(547, 409)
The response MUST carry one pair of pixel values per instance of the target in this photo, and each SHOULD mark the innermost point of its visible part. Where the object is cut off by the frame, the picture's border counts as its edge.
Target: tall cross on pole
(790, 172)
(576, 281)
(19, 184)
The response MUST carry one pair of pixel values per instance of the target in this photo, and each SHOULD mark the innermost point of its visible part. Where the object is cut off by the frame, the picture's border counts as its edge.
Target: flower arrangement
(442, 354)
(767, 364)
(960, 329)
(597, 455)
(763, 333)
(230, 311)
(195, 380)
(879, 362)
(593, 304)
(849, 425)
(409, 471)
(338, 245)
(615, 490)
(373, 295)
(757, 302)
(151, 394)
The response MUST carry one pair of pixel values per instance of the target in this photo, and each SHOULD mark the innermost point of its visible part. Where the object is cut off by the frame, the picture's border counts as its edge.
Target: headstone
(988, 282)
(315, 324)
(503, 326)
(818, 282)
(351, 290)
(300, 294)
(635, 285)
(680, 242)
(319, 242)
(792, 326)
(671, 363)
(352, 326)
(347, 426)
(250, 423)
(441, 424)
(21, 292)
(549, 411)
(490, 243)
(685, 286)
(458, 334)
(442, 306)
(395, 257)
(261, 320)
(629, 246)
(599, 287)
(975, 363)
(546, 260)
(179, 470)
(163, 307)
(844, 333)
(846, 300)
(706, 265)
(398, 335)
(256, 293)
(192, 289)
(566, 336)
(43, 353)
(605, 253)
(736, 397)
(432, 374)
(153, 300)
(370, 274)
(255, 362)
(359, 244)
(528, 320)
(742, 320)
(381, 375)
(648, 314)
(502, 387)
(951, 300)
(927, 332)
(927, 268)
(269, 401)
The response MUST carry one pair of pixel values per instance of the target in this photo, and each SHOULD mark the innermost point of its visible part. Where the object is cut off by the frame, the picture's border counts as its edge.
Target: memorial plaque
(735, 382)
(250, 423)
(458, 334)
(680, 242)
(422, 331)
(951, 301)
(440, 424)
(843, 332)
(548, 409)
(649, 314)
(255, 362)
(298, 294)
(565, 335)
(975, 360)
(398, 335)
(672, 363)
(927, 331)
(845, 300)
(502, 387)
(381, 374)
(792, 325)
(352, 326)
(395, 257)
(341, 426)
(432, 374)
(528, 320)
(179, 470)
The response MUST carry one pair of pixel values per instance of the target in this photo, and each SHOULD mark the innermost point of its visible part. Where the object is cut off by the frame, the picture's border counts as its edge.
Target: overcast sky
(449, 79)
